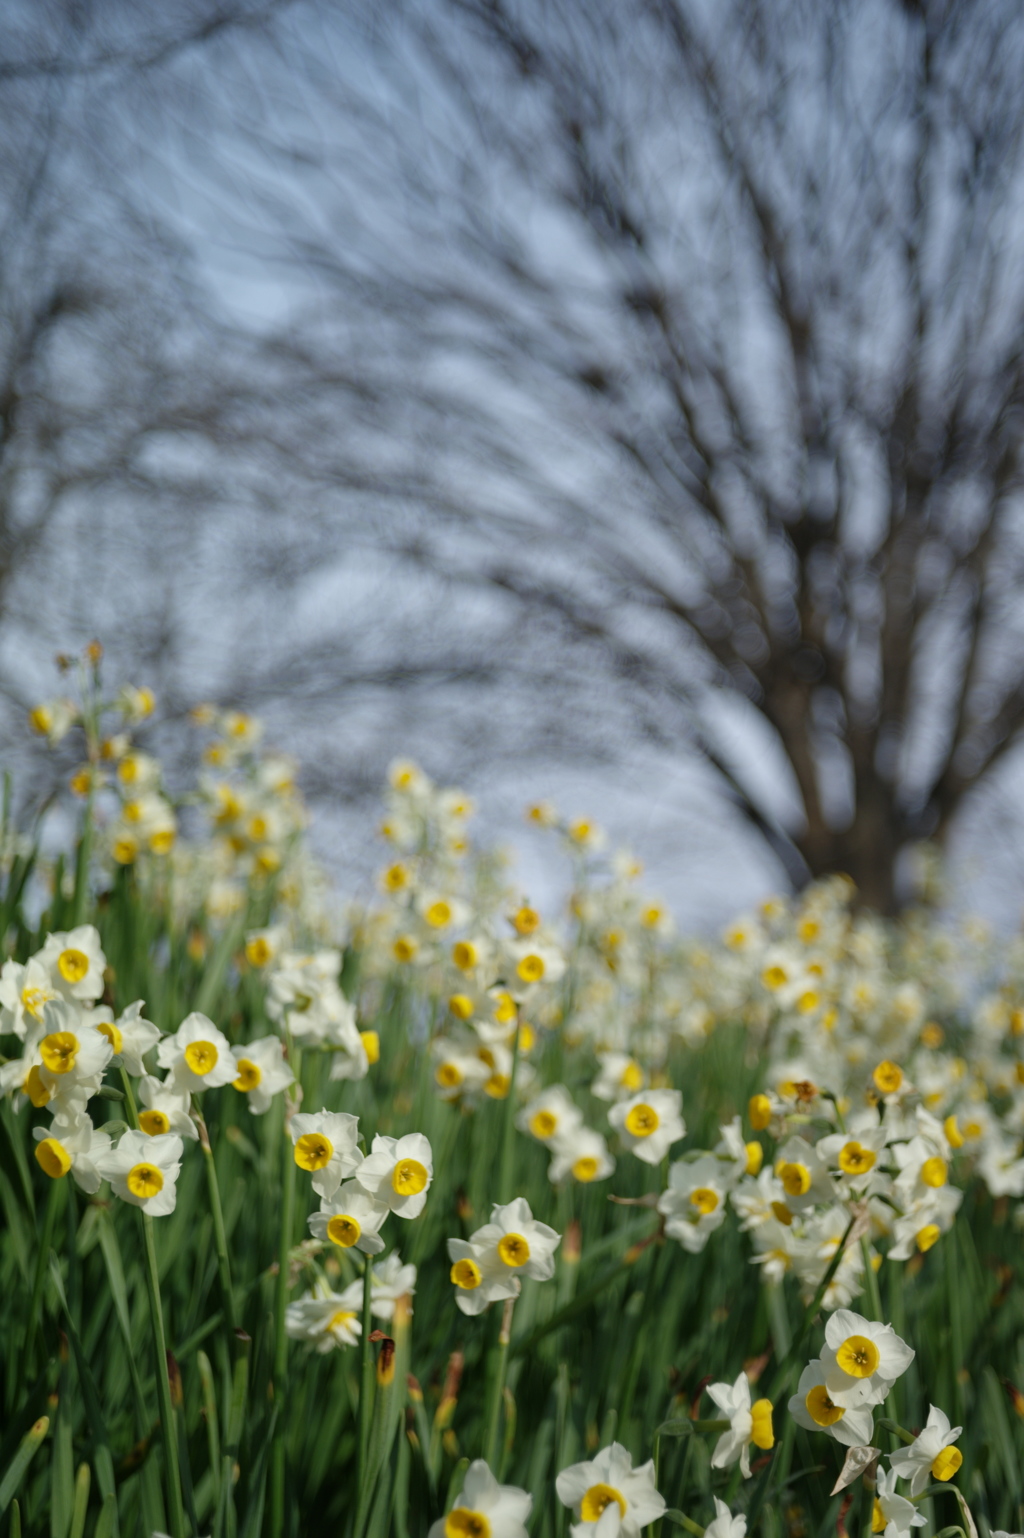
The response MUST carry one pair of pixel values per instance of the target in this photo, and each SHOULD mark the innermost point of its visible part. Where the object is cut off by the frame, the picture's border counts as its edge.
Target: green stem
(277, 1463)
(219, 1234)
(366, 1375)
(871, 1283)
(175, 1507)
(53, 1200)
(506, 1178)
(492, 1437)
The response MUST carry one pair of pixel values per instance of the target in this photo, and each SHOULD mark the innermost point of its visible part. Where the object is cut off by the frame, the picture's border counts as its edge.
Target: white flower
(897, 1513)
(747, 1424)
(398, 1172)
(931, 1455)
(24, 989)
(650, 1122)
(199, 1055)
(694, 1204)
(326, 1146)
(262, 1072)
(326, 1318)
(549, 1115)
(483, 1507)
(144, 1170)
(804, 1176)
(130, 1037)
(75, 963)
(862, 1359)
(725, 1525)
(71, 1053)
(352, 1217)
(582, 1153)
(71, 1142)
(813, 1407)
(610, 1479)
(490, 1263)
(391, 1281)
(167, 1108)
(620, 1076)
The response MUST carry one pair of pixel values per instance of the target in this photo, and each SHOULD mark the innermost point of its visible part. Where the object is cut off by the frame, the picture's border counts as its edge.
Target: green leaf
(29, 1446)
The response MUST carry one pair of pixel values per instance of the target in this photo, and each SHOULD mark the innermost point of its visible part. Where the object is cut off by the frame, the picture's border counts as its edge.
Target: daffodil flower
(748, 1424)
(649, 1122)
(893, 1515)
(485, 1509)
(694, 1204)
(813, 1407)
(144, 1170)
(326, 1319)
(724, 1524)
(326, 1145)
(351, 1219)
(397, 1172)
(620, 1076)
(862, 1359)
(166, 1107)
(130, 1037)
(582, 1153)
(391, 1281)
(24, 989)
(610, 1479)
(549, 1115)
(931, 1455)
(489, 1265)
(263, 1072)
(72, 1143)
(199, 1055)
(75, 962)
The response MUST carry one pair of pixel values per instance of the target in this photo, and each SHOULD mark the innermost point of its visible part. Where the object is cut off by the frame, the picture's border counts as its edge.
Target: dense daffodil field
(445, 1215)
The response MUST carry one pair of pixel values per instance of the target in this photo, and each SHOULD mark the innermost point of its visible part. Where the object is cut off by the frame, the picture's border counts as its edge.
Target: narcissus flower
(391, 1281)
(620, 1076)
(130, 1037)
(351, 1219)
(650, 1122)
(862, 1359)
(581, 1153)
(893, 1515)
(485, 1509)
(549, 1115)
(610, 1479)
(166, 1107)
(397, 1172)
(725, 1525)
(326, 1146)
(76, 963)
(262, 1072)
(72, 1143)
(326, 1319)
(199, 1056)
(489, 1265)
(931, 1455)
(748, 1424)
(694, 1204)
(24, 990)
(144, 1170)
(71, 1054)
(813, 1407)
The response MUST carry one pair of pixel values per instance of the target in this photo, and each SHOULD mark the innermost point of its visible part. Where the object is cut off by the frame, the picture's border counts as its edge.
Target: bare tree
(696, 333)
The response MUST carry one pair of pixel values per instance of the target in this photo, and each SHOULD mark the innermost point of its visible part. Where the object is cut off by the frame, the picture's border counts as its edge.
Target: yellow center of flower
(504, 1008)
(796, 1178)
(343, 1230)
(201, 1057)
(144, 1181)
(341, 1319)
(258, 951)
(439, 914)
(371, 1045)
(526, 921)
(704, 1199)
(888, 1077)
(404, 948)
(249, 1074)
(409, 1177)
(947, 1463)
(153, 1123)
(642, 1120)
(111, 1032)
(858, 1356)
(463, 1523)
(761, 1433)
(879, 1521)
(782, 1214)
(53, 1158)
(531, 969)
(632, 1076)
(543, 1124)
(951, 1127)
(466, 1274)
(934, 1172)
(755, 1158)
(35, 1089)
(585, 1169)
(597, 1500)
(58, 1051)
(396, 878)
(448, 1075)
(854, 1159)
(759, 1109)
(927, 1236)
(513, 1250)
(33, 999)
(313, 1151)
(72, 965)
(461, 1006)
(821, 1408)
(497, 1086)
(464, 955)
